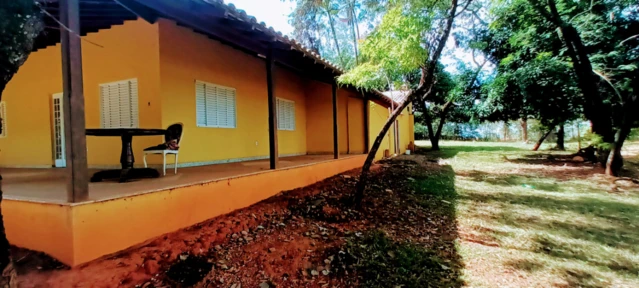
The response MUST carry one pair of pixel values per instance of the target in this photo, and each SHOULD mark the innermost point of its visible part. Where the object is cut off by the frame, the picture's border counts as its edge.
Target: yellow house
(147, 64)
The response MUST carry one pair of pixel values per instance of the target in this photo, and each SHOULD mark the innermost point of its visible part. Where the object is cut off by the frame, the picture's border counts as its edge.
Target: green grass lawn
(526, 221)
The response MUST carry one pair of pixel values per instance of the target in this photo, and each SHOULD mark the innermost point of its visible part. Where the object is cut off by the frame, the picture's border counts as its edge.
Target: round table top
(125, 131)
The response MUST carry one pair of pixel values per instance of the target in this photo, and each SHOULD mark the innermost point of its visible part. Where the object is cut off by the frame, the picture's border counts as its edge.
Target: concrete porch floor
(48, 185)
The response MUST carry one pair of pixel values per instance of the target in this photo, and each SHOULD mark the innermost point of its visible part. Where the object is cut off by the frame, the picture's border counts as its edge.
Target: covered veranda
(58, 211)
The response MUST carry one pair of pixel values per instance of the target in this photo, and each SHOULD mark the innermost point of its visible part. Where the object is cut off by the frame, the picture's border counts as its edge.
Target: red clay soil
(289, 240)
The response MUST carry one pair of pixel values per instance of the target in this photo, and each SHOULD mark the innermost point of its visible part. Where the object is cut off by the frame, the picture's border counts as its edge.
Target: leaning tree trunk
(425, 88)
(541, 140)
(561, 133)
(524, 129)
(363, 178)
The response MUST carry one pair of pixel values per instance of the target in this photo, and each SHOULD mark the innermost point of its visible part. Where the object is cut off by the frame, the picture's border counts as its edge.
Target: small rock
(325, 272)
(271, 250)
(314, 272)
(244, 232)
(264, 285)
(218, 247)
(578, 159)
(389, 191)
(183, 257)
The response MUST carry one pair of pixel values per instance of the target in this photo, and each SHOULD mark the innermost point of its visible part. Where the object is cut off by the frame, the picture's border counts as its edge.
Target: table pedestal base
(125, 174)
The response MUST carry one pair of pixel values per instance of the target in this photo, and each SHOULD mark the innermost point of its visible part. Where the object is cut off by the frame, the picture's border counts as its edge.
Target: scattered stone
(578, 159)
(183, 257)
(264, 285)
(314, 272)
(271, 250)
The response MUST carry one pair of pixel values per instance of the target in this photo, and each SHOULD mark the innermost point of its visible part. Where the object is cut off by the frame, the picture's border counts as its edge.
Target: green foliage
(395, 48)
(381, 262)
(20, 24)
(332, 27)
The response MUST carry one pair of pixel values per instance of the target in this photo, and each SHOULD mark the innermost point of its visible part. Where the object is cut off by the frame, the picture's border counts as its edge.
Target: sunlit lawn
(525, 221)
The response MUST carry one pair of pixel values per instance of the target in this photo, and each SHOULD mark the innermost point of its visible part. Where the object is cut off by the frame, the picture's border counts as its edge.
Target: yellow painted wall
(356, 125)
(378, 116)
(28, 95)
(186, 57)
(319, 123)
(291, 87)
(406, 134)
(40, 226)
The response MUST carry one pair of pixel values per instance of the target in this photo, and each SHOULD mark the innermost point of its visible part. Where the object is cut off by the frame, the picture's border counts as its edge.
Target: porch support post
(272, 112)
(335, 124)
(366, 124)
(73, 103)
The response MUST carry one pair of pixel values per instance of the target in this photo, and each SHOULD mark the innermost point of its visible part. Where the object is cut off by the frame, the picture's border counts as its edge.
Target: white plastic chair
(174, 130)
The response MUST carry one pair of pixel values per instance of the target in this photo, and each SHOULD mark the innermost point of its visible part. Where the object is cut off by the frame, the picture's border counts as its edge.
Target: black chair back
(174, 132)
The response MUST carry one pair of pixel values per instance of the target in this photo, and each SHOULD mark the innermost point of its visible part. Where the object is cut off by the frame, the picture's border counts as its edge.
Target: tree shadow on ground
(512, 180)
(414, 204)
(612, 227)
(448, 152)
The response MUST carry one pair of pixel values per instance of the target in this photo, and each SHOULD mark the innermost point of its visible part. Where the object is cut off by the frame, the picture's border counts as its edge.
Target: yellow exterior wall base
(78, 233)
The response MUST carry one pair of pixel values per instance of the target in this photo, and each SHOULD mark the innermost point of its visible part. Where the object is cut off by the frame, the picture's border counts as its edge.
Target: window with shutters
(285, 114)
(119, 104)
(214, 105)
(3, 118)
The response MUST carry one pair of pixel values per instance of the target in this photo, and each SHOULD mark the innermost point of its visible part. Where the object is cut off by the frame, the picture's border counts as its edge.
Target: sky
(272, 12)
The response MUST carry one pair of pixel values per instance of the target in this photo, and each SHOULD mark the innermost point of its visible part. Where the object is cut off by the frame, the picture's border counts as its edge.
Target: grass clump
(381, 262)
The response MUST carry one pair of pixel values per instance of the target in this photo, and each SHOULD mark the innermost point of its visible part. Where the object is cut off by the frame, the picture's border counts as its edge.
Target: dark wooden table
(126, 156)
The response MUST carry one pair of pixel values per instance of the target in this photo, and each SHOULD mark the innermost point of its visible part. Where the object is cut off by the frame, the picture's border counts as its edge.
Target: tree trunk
(426, 84)
(524, 129)
(332, 24)
(355, 37)
(541, 140)
(363, 178)
(561, 133)
(594, 107)
(506, 131)
(440, 126)
(614, 161)
(428, 122)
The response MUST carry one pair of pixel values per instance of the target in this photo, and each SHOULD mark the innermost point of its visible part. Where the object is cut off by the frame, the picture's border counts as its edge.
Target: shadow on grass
(447, 152)
(512, 180)
(414, 244)
(580, 238)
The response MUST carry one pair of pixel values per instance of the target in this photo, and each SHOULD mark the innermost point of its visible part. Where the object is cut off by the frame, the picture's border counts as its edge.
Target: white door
(59, 149)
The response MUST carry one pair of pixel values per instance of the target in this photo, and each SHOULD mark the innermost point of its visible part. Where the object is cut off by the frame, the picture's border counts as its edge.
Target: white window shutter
(200, 104)
(285, 114)
(119, 104)
(215, 105)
